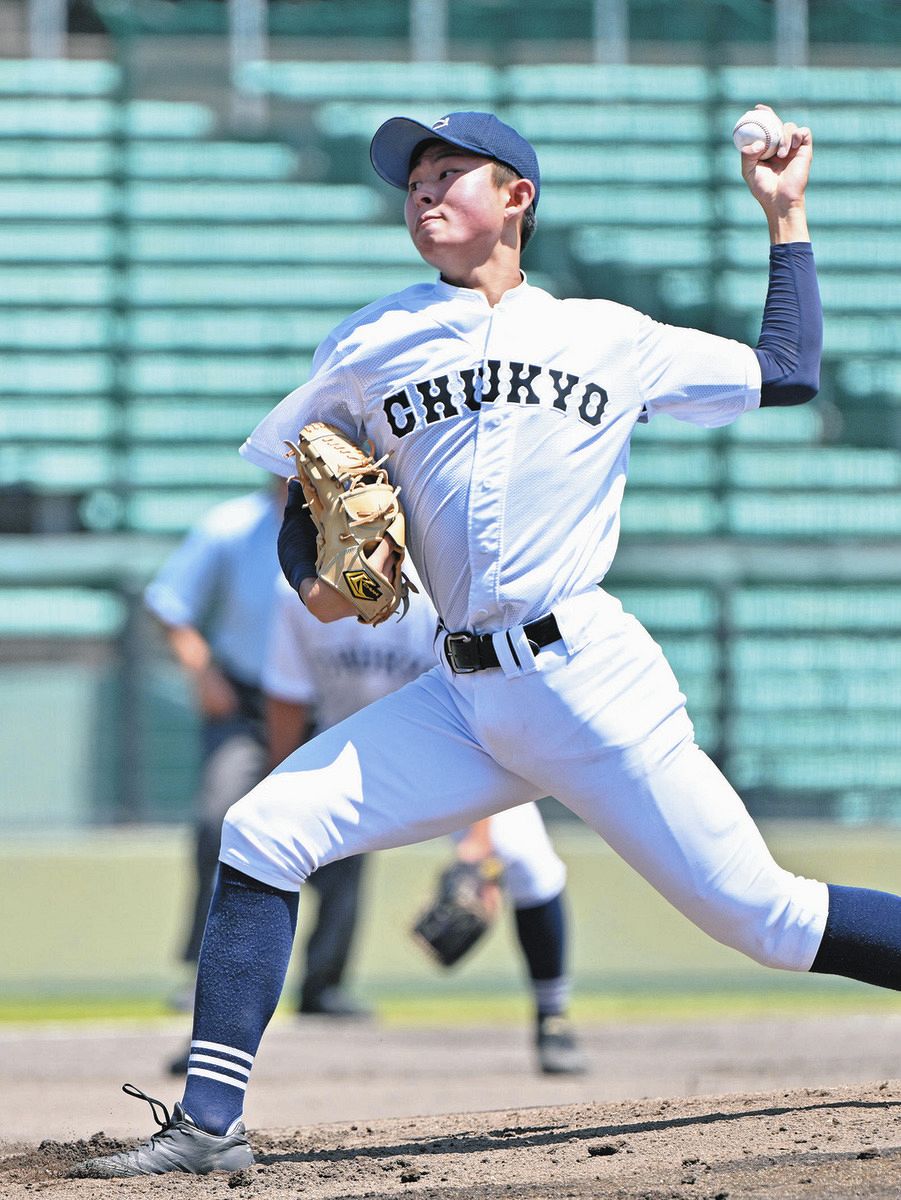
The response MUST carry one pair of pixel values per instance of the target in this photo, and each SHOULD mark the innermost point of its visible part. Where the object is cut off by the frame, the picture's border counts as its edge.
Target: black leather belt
(468, 652)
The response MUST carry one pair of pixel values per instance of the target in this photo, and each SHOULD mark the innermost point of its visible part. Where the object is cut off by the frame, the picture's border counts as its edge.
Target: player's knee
(782, 927)
(251, 842)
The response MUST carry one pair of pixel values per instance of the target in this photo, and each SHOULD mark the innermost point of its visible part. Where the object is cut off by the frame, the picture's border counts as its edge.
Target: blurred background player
(339, 668)
(214, 597)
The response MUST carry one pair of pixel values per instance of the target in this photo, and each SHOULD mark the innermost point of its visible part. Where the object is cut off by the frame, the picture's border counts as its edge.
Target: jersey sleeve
(695, 376)
(286, 669)
(183, 590)
(330, 395)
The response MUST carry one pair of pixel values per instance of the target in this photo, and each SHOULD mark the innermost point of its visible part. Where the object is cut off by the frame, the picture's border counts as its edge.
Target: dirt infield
(785, 1108)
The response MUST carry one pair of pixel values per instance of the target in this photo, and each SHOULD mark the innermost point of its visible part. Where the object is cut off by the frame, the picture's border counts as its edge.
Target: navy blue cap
(482, 133)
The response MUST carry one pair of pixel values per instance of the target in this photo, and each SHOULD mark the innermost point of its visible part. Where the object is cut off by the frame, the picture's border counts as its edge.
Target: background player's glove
(354, 506)
(463, 910)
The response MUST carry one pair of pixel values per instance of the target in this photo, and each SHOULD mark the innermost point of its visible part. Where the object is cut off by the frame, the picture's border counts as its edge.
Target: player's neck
(492, 280)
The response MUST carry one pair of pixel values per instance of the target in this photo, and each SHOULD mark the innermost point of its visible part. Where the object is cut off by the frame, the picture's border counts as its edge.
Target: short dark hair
(503, 173)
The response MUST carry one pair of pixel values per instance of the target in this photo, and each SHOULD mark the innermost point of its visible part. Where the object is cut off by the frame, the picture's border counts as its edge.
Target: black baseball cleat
(180, 1145)
(179, 1064)
(333, 1002)
(559, 1052)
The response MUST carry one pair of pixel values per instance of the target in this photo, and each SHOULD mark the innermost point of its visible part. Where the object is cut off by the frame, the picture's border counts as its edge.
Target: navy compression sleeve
(791, 334)
(297, 539)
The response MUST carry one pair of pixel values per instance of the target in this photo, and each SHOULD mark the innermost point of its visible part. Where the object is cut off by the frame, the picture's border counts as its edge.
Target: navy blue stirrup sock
(243, 961)
(862, 939)
(542, 935)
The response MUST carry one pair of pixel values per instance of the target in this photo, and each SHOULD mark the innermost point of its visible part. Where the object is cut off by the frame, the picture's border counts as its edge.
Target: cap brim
(392, 148)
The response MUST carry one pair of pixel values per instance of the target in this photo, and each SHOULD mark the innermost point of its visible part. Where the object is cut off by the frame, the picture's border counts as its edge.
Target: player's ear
(520, 194)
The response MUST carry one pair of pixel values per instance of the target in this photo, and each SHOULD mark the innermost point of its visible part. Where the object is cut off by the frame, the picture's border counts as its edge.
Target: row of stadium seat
(154, 418)
(831, 480)
(318, 82)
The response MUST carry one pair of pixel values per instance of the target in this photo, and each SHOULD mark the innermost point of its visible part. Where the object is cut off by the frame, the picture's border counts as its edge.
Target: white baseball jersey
(341, 666)
(509, 430)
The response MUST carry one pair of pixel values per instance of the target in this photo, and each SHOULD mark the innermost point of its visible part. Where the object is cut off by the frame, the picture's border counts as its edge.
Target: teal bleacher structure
(163, 282)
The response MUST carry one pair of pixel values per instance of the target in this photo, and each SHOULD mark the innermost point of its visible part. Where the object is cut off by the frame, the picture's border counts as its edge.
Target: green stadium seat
(309, 242)
(835, 248)
(819, 467)
(468, 85)
(57, 77)
(65, 612)
(595, 83)
(34, 328)
(786, 691)
(848, 206)
(263, 375)
(816, 514)
(821, 771)
(90, 199)
(652, 248)
(260, 201)
(614, 123)
(653, 512)
(174, 511)
(40, 159)
(871, 291)
(671, 609)
(59, 241)
(79, 118)
(830, 729)
(209, 160)
(88, 418)
(611, 163)
(343, 287)
(656, 466)
(54, 465)
(810, 609)
(215, 421)
(58, 284)
(189, 466)
(865, 378)
(620, 204)
(55, 374)
(845, 87)
(870, 656)
(293, 332)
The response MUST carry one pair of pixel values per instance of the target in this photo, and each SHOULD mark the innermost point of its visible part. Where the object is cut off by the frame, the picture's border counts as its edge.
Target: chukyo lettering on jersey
(424, 403)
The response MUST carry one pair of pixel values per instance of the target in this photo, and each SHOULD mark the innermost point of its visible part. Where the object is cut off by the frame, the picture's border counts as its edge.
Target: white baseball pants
(596, 720)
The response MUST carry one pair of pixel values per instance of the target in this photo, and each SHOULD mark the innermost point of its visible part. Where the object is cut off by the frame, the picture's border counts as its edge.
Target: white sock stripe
(218, 1062)
(223, 1049)
(235, 1083)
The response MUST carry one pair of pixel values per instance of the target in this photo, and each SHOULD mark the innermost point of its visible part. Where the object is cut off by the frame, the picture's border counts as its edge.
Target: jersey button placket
(486, 495)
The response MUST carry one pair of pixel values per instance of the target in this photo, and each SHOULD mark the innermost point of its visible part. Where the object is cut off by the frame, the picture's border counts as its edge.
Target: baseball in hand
(758, 125)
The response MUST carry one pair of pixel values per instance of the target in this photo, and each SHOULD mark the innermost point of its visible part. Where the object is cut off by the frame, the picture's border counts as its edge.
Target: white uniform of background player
(341, 667)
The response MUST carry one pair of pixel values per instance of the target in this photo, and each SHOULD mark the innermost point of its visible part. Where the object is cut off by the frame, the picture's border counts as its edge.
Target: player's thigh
(671, 814)
(402, 770)
(533, 871)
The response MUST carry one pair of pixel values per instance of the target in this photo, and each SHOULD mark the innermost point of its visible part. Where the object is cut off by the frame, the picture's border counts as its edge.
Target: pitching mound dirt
(817, 1143)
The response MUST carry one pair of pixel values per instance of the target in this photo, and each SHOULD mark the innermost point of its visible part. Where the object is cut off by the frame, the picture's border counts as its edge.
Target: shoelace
(130, 1090)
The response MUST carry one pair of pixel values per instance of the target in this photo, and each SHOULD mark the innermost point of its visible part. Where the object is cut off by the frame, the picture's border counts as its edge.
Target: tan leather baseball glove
(354, 506)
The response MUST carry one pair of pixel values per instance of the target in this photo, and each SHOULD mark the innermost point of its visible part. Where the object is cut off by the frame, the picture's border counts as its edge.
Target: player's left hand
(779, 183)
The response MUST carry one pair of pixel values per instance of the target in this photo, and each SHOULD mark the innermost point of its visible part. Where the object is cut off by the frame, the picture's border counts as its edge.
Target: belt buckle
(453, 640)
